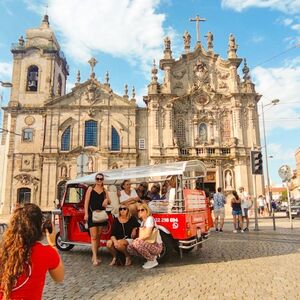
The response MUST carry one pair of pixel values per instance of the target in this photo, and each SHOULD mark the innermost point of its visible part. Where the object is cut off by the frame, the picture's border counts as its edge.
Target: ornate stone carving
(210, 163)
(178, 85)
(92, 93)
(179, 74)
(200, 98)
(201, 75)
(223, 85)
(29, 120)
(26, 179)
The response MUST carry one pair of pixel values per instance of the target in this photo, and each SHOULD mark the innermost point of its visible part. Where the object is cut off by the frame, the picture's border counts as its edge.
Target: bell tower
(40, 69)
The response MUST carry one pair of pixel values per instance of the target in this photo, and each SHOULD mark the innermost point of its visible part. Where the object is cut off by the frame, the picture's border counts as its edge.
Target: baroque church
(202, 110)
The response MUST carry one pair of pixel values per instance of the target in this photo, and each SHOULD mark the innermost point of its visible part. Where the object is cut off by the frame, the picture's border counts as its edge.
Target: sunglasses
(123, 208)
(142, 209)
(99, 179)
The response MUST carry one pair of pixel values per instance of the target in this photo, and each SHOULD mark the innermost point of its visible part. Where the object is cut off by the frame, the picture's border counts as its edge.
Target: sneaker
(242, 231)
(246, 229)
(150, 264)
(221, 230)
(217, 229)
(234, 231)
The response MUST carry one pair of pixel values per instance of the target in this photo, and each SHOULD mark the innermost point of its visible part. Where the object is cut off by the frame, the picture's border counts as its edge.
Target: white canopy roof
(192, 168)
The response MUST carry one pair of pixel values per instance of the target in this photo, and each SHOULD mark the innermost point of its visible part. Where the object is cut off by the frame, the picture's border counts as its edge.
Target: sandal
(128, 261)
(113, 262)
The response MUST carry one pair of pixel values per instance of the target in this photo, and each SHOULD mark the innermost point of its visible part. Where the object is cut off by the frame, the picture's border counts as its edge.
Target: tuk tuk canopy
(187, 169)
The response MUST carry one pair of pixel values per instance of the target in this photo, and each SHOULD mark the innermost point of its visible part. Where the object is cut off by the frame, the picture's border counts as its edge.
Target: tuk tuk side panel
(183, 225)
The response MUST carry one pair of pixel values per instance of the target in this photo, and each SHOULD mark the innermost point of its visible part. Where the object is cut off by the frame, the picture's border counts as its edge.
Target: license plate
(294, 214)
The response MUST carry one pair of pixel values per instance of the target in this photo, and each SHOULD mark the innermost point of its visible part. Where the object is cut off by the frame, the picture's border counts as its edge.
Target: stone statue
(187, 40)
(232, 44)
(228, 180)
(90, 164)
(64, 171)
(202, 133)
(209, 39)
(167, 42)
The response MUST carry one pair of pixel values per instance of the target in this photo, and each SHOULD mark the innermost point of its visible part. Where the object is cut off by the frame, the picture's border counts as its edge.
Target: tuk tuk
(184, 221)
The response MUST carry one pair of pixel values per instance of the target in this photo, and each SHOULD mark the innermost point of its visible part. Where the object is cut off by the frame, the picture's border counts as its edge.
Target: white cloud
(286, 6)
(128, 29)
(280, 83)
(287, 21)
(280, 152)
(5, 71)
(257, 38)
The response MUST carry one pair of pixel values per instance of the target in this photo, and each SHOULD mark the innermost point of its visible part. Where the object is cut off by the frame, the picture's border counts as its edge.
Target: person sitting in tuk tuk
(96, 198)
(154, 192)
(129, 197)
(143, 192)
(24, 260)
(164, 190)
(149, 242)
(124, 230)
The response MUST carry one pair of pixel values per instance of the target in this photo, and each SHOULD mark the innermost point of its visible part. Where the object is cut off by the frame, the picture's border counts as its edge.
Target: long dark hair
(23, 231)
(235, 194)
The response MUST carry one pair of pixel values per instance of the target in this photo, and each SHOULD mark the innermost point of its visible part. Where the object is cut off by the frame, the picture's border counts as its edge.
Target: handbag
(152, 238)
(99, 216)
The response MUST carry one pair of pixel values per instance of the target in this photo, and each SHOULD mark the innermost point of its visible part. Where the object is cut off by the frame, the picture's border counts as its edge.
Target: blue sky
(126, 35)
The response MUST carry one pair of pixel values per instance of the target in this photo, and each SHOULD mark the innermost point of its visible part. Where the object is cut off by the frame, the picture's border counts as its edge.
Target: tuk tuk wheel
(60, 245)
(168, 246)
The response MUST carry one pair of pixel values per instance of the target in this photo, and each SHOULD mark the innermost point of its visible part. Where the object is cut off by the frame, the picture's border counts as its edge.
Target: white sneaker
(150, 264)
(242, 231)
(234, 231)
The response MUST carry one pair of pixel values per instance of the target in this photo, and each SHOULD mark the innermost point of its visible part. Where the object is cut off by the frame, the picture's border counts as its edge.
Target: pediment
(91, 93)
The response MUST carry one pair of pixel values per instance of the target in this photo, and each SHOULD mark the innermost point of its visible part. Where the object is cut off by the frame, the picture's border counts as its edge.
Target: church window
(24, 195)
(66, 139)
(90, 133)
(115, 140)
(61, 189)
(27, 135)
(32, 78)
(180, 132)
(202, 132)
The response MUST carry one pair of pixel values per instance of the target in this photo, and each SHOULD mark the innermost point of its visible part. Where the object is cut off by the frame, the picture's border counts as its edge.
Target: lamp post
(273, 102)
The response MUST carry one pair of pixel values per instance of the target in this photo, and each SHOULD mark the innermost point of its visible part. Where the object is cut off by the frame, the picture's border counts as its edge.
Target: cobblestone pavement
(256, 265)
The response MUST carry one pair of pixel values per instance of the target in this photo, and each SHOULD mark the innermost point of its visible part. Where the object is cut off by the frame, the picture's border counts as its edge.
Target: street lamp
(273, 102)
(5, 84)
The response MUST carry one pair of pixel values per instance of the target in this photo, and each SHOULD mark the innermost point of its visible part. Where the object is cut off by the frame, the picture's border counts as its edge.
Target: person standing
(219, 209)
(236, 212)
(24, 260)
(245, 205)
(261, 205)
(96, 199)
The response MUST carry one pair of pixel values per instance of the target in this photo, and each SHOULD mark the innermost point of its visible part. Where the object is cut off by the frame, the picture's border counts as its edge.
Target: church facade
(201, 110)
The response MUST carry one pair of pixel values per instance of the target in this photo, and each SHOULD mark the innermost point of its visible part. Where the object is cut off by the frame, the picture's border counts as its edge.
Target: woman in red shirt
(24, 261)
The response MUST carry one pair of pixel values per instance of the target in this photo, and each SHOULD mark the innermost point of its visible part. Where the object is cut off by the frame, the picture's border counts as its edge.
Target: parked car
(295, 209)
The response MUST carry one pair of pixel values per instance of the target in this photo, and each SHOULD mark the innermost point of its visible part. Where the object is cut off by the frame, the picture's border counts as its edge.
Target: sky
(126, 35)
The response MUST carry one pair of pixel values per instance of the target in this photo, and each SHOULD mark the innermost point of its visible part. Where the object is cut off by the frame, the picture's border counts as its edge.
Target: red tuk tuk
(183, 227)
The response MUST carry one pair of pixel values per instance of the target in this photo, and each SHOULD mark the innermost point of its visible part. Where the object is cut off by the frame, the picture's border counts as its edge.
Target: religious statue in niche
(90, 164)
(201, 75)
(202, 133)
(228, 180)
(64, 171)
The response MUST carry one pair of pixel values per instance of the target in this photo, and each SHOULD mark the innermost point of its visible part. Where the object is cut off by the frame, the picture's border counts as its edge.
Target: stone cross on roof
(92, 63)
(197, 20)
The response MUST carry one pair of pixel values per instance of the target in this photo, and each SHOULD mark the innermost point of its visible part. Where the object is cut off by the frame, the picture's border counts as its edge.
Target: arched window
(180, 132)
(203, 132)
(32, 78)
(115, 140)
(59, 86)
(65, 139)
(90, 133)
(61, 189)
(24, 195)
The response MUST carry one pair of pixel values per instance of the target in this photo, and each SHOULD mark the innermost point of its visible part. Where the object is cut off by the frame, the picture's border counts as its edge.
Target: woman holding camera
(24, 261)
(96, 199)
